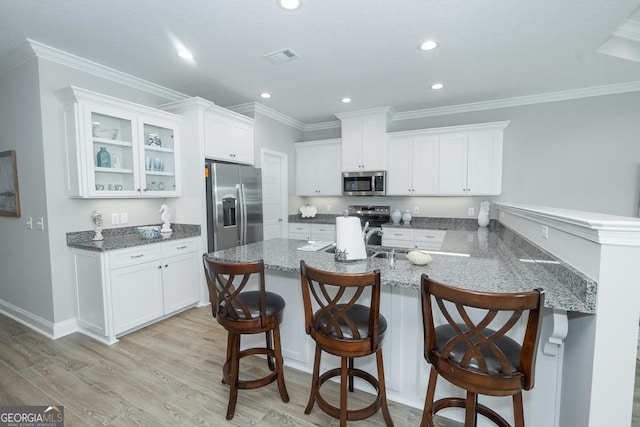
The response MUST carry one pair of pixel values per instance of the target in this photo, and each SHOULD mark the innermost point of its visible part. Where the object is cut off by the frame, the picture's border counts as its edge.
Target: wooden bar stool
(477, 355)
(347, 330)
(245, 312)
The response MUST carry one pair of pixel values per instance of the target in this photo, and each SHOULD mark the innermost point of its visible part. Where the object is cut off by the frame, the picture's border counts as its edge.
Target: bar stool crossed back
(348, 330)
(245, 312)
(478, 356)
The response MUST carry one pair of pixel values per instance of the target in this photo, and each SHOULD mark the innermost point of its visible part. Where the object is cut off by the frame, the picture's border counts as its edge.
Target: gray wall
(581, 154)
(25, 282)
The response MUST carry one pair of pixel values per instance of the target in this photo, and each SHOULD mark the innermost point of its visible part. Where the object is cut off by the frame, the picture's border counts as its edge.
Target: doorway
(275, 193)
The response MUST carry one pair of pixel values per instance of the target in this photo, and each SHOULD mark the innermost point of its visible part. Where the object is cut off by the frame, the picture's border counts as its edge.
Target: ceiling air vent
(280, 56)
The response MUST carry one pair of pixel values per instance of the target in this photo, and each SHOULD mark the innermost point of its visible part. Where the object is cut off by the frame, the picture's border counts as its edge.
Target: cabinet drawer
(429, 236)
(179, 247)
(298, 228)
(131, 256)
(397, 233)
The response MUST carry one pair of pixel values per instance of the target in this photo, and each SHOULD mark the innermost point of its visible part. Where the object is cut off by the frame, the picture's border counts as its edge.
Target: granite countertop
(470, 224)
(126, 237)
(493, 261)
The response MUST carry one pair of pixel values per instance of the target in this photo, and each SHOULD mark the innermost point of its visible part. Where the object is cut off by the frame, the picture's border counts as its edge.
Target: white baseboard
(37, 323)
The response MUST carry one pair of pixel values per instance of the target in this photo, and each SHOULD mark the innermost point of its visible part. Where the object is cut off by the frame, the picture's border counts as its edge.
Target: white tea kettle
(350, 237)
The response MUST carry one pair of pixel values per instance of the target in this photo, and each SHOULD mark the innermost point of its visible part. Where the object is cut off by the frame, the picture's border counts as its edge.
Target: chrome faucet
(370, 234)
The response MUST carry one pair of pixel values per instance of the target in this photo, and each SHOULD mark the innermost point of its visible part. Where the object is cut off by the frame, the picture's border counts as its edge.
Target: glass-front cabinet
(119, 149)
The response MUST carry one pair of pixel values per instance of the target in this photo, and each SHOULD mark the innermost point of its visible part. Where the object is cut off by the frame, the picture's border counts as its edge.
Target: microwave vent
(280, 56)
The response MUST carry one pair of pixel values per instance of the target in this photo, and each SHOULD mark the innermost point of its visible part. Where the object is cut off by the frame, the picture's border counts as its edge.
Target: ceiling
(364, 49)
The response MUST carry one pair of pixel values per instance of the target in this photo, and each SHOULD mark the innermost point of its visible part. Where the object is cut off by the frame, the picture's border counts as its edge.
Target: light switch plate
(124, 217)
(471, 212)
(115, 218)
(40, 224)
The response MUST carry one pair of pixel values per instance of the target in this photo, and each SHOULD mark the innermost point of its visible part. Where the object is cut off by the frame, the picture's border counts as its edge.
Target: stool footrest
(457, 402)
(354, 414)
(250, 384)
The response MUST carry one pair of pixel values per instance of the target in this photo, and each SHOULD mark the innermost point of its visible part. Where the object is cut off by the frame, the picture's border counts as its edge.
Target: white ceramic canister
(406, 217)
(396, 216)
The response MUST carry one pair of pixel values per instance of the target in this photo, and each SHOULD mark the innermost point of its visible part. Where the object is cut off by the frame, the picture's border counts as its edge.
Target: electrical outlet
(471, 212)
(115, 218)
(124, 217)
(469, 237)
(416, 210)
(29, 223)
(545, 232)
(328, 208)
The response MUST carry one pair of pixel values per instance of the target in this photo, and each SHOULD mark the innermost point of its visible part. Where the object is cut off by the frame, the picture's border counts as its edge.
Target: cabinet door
(228, 140)
(180, 278)
(373, 143)
(323, 232)
(399, 164)
(328, 172)
(452, 167)
(111, 152)
(160, 165)
(305, 171)
(351, 145)
(425, 162)
(299, 231)
(484, 170)
(136, 295)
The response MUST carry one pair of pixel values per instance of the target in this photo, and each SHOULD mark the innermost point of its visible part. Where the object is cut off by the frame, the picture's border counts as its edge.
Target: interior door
(274, 193)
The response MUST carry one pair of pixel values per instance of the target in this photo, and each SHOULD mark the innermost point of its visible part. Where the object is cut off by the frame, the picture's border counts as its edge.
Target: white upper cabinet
(412, 164)
(363, 140)
(453, 161)
(228, 136)
(118, 149)
(318, 170)
(471, 163)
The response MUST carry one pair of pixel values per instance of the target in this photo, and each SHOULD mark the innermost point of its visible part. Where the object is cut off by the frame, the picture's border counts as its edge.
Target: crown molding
(387, 111)
(628, 30)
(521, 101)
(257, 108)
(49, 53)
(335, 124)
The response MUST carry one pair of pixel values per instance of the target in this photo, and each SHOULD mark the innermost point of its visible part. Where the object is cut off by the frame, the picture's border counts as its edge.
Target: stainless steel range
(375, 215)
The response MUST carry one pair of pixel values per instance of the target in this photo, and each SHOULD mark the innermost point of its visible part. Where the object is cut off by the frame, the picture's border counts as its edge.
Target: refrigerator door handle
(243, 214)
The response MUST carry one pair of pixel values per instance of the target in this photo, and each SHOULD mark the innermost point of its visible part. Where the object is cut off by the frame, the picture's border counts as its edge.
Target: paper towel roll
(349, 237)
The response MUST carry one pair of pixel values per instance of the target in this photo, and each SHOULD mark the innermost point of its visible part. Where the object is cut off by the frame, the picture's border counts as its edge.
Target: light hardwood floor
(168, 373)
(165, 374)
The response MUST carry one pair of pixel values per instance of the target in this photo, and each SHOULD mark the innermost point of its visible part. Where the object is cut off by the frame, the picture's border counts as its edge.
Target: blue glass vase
(104, 158)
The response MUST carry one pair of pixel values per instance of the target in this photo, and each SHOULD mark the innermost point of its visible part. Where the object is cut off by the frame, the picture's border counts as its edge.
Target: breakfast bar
(496, 260)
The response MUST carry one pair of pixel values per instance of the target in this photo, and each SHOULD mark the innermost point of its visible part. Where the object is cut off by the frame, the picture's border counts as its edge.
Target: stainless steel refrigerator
(234, 205)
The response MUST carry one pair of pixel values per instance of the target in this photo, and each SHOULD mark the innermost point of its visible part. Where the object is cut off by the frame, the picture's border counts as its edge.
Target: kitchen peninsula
(497, 260)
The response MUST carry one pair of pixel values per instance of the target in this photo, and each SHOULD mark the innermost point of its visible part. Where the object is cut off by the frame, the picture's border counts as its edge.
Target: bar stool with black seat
(478, 356)
(345, 329)
(245, 312)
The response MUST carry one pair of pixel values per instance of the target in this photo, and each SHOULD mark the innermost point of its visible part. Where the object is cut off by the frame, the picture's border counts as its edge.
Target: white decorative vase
(406, 217)
(396, 216)
(483, 215)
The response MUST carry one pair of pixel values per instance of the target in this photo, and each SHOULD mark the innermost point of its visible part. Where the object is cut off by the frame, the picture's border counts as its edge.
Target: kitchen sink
(371, 253)
(399, 256)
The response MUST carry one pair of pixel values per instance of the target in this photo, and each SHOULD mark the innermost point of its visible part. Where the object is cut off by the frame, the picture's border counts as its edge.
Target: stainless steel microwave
(364, 183)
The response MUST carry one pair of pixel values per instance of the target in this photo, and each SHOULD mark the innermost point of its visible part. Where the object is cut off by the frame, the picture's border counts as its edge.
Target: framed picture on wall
(9, 193)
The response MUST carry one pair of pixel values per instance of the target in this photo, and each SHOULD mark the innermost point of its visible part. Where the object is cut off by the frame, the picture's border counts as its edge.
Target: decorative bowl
(149, 232)
(308, 211)
(105, 133)
(419, 257)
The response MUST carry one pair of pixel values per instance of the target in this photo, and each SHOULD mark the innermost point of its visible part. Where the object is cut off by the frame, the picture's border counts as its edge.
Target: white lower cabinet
(412, 238)
(319, 232)
(121, 290)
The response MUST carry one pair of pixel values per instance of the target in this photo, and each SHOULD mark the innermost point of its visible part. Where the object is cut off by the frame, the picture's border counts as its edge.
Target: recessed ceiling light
(185, 54)
(437, 86)
(346, 100)
(289, 4)
(429, 45)
(265, 95)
